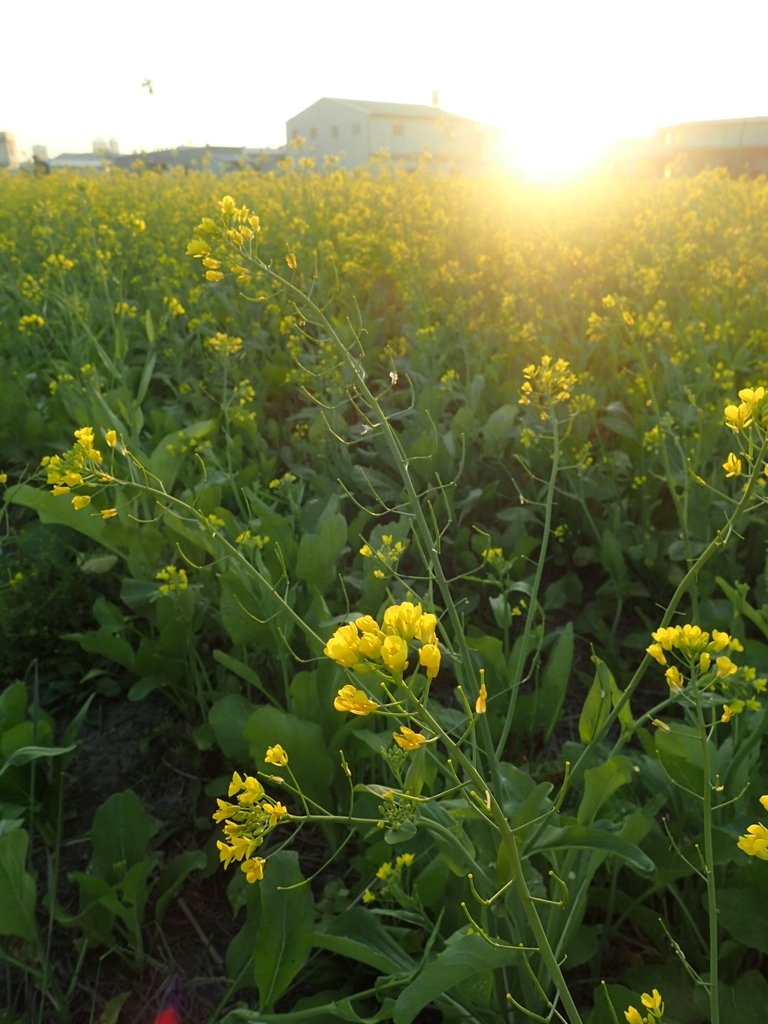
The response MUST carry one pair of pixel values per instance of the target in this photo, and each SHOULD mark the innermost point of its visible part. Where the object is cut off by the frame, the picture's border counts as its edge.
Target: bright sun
(540, 154)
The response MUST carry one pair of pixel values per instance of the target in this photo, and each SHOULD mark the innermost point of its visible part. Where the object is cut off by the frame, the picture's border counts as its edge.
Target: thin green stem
(533, 601)
(709, 863)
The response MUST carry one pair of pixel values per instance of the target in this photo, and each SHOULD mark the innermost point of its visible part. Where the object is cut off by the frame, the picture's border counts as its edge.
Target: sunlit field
(383, 598)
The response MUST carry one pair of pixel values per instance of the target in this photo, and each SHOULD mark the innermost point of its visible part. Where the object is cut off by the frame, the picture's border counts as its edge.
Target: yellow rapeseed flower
(482, 697)
(674, 677)
(356, 702)
(654, 1003)
(755, 843)
(429, 658)
(732, 465)
(253, 869)
(407, 739)
(276, 756)
(394, 653)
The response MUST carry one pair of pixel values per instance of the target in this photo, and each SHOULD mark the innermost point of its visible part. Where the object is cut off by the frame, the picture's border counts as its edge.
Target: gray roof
(723, 122)
(376, 109)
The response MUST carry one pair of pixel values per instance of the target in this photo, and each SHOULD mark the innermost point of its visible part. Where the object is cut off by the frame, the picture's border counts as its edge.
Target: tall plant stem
(709, 866)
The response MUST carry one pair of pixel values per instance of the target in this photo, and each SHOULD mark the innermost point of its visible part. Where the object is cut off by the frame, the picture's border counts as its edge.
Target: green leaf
(17, 888)
(165, 462)
(681, 755)
(464, 957)
(243, 671)
(172, 878)
(554, 681)
(310, 759)
(592, 838)
(285, 928)
(105, 643)
(743, 918)
(111, 535)
(13, 706)
(228, 718)
(600, 784)
(320, 552)
(597, 705)
(359, 935)
(111, 1012)
(23, 755)
(120, 833)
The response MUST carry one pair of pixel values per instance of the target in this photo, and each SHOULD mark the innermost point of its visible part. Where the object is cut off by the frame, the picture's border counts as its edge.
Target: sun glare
(547, 156)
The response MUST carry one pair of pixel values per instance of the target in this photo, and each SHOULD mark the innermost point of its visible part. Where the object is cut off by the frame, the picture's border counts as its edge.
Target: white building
(9, 152)
(356, 130)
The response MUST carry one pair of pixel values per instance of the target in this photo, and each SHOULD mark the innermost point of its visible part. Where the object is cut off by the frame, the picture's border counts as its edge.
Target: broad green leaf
(164, 462)
(600, 784)
(681, 755)
(553, 684)
(26, 734)
(285, 928)
(747, 999)
(592, 838)
(23, 755)
(112, 534)
(17, 888)
(243, 671)
(741, 914)
(120, 833)
(105, 643)
(597, 706)
(310, 759)
(320, 552)
(499, 427)
(13, 706)
(462, 959)
(172, 878)
(111, 1012)
(359, 935)
(228, 718)
(612, 558)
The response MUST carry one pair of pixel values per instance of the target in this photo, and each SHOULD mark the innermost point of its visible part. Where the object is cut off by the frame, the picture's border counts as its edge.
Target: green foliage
(260, 465)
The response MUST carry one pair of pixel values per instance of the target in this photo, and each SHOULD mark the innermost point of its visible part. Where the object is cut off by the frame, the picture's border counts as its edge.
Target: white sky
(557, 74)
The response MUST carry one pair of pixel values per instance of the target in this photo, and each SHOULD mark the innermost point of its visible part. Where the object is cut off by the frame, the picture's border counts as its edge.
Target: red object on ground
(167, 1016)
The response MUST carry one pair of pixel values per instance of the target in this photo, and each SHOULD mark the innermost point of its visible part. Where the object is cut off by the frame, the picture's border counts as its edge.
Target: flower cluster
(390, 877)
(755, 842)
(653, 1003)
(389, 554)
(750, 408)
(221, 246)
(172, 580)
(248, 821)
(80, 467)
(364, 645)
(705, 659)
(547, 384)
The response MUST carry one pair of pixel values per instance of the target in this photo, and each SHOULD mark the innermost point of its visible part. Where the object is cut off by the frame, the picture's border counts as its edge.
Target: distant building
(217, 159)
(79, 161)
(740, 145)
(356, 130)
(9, 152)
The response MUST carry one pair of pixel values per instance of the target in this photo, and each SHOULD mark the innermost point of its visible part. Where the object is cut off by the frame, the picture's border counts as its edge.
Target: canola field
(384, 598)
